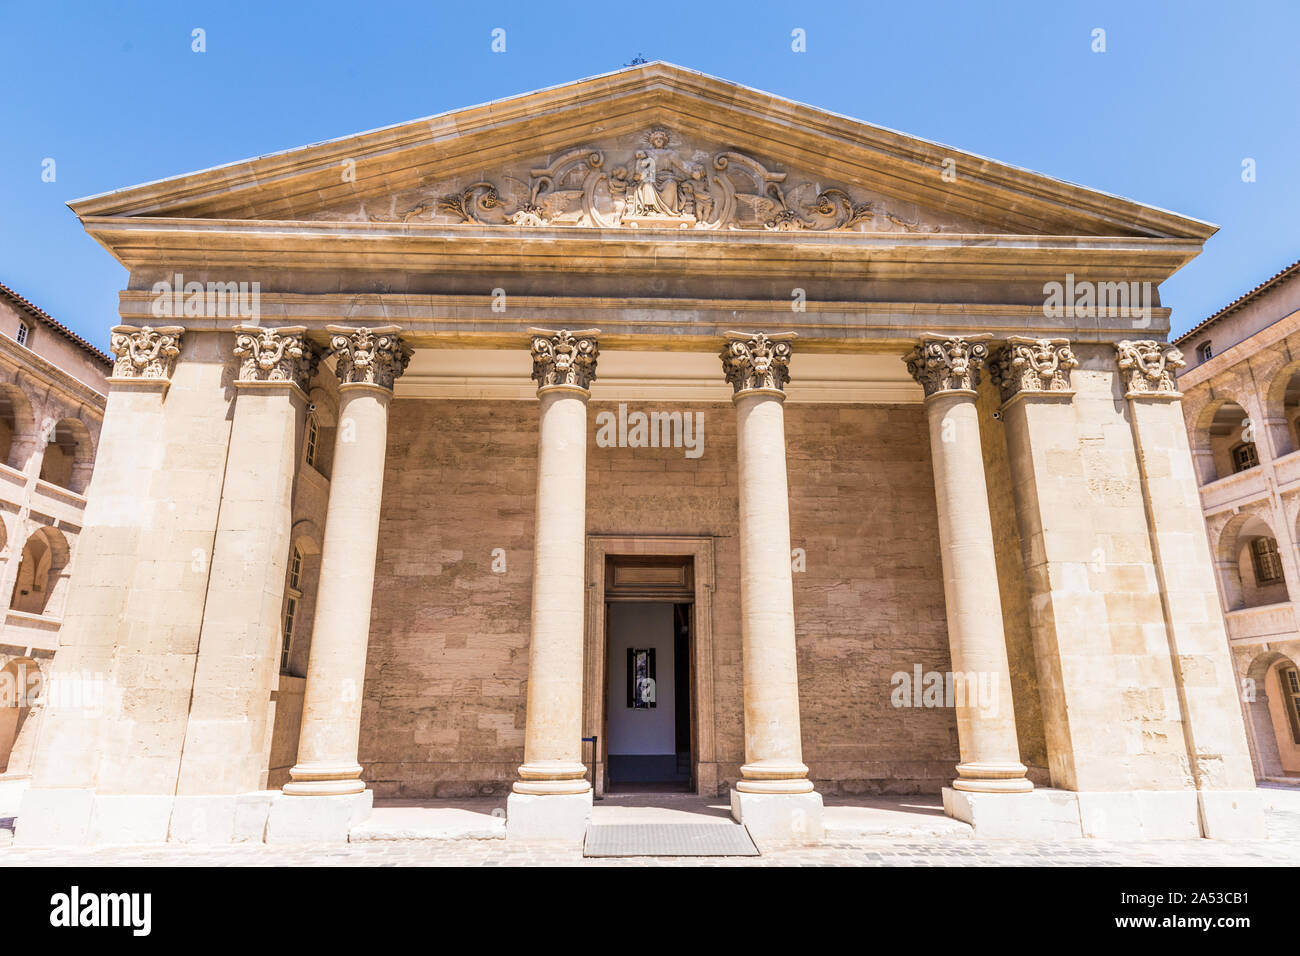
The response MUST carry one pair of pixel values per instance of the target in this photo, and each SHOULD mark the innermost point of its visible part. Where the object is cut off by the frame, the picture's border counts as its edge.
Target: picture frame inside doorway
(641, 687)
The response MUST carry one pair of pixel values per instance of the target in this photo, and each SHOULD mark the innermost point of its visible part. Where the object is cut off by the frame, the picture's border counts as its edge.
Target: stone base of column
(780, 817)
(992, 778)
(54, 817)
(552, 778)
(1231, 814)
(324, 780)
(1041, 814)
(228, 818)
(548, 818)
(296, 819)
(774, 776)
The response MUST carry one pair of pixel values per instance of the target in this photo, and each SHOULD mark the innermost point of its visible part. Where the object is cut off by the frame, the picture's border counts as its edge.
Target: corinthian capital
(275, 355)
(1032, 365)
(564, 358)
(1150, 365)
(942, 363)
(368, 356)
(145, 353)
(757, 360)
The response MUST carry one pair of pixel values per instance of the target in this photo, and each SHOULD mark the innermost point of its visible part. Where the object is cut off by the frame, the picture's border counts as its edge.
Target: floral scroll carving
(368, 356)
(564, 358)
(757, 361)
(662, 184)
(1151, 366)
(145, 353)
(1032, 365)
(275, 355)
(945, 363)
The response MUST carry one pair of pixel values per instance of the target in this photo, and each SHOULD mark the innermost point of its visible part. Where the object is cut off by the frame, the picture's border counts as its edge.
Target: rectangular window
(1268, 563)
(1245, 456)
(286, 644)
(291, 607)
(311, 441)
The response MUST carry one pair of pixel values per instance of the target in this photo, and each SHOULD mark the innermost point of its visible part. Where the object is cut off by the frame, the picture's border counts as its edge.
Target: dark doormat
(669, 839)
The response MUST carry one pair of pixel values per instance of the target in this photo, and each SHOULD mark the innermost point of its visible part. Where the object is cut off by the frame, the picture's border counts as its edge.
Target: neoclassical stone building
(1241, 382)
(644, 432)
(52, 386)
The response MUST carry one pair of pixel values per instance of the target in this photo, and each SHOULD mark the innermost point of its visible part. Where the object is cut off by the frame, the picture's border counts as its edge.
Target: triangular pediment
(722, 157)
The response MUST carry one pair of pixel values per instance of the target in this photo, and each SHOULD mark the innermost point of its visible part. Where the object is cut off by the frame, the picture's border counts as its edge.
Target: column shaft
(553, 735)
(564, 364)
(986, 729)
(331, 712)
(773, 751)
(948, 369)
(369, 361)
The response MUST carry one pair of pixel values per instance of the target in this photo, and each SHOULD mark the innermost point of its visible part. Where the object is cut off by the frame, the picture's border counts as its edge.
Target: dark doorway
(648, 697)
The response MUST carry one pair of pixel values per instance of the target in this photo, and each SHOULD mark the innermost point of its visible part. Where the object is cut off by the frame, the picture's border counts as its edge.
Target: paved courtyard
(861, 833)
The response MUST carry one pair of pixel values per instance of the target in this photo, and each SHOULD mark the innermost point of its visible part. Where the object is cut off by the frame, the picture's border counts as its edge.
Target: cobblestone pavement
(1281, 849)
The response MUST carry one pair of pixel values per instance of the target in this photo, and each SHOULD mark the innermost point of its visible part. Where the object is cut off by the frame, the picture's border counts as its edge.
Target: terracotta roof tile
(41, 315)
(1288, 273)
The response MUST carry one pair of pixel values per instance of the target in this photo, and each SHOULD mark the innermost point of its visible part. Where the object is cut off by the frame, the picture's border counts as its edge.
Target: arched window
(292, 598)
(1245, 456)
(1205, 352)
(1268, 563)
(312, 435)
(24, 330)
(1290, 678)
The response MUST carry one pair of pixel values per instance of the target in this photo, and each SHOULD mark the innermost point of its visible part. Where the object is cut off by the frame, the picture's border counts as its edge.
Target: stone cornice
(189, 245)
(639, 322)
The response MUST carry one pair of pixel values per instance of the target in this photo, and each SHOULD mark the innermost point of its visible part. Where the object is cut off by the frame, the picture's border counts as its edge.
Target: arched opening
(1251, 564)
(20, 685)
(1273, 709)
(1223, 441)
(40, 572)
(68, 458)
(18, 438)
(1282, 408)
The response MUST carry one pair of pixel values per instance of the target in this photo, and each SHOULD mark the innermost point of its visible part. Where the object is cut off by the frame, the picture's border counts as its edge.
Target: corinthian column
(774, 795)
(552, 797)
(948, 369)
(368, 363)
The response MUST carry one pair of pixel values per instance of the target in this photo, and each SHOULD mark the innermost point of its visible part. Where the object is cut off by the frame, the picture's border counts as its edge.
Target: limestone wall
(444, 698)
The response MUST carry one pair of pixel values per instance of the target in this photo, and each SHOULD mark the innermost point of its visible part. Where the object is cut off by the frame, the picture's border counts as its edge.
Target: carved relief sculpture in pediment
(654, 180)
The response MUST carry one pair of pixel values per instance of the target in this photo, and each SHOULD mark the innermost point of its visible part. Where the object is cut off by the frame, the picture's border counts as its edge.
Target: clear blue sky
(1184, 92)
